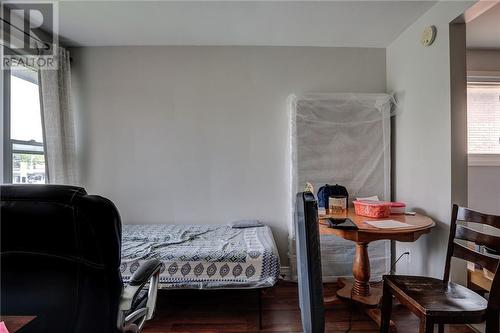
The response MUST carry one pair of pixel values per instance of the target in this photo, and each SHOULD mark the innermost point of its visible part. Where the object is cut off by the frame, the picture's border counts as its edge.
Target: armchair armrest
(148, 272)
(145, 272)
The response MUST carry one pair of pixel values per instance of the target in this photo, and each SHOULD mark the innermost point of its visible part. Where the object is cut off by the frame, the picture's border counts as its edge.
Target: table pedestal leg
(361, 270)
(359, 290)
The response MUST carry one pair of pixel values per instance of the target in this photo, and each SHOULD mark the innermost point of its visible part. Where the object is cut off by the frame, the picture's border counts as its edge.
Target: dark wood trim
(449, 251)
(259, 300)
(469, 215)
(462, 252)
(434, 301)
(16, 323)
(474, 236)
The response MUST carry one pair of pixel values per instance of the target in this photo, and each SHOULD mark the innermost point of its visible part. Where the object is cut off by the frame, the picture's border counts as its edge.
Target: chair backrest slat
(468, 234)
(478, 238)
(480, 259)
(468, 215)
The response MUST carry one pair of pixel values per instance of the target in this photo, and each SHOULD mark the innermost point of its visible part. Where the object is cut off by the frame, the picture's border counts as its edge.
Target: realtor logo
(29, 34)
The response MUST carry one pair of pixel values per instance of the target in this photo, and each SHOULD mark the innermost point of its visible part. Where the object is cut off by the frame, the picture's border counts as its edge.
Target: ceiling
(484, 31)
(280, 23)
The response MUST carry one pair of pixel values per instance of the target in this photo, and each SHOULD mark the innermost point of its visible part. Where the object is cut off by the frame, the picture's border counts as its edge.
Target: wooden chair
(441, 302)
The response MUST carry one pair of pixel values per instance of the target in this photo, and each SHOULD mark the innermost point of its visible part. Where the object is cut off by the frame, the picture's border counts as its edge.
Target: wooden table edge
(15, 323)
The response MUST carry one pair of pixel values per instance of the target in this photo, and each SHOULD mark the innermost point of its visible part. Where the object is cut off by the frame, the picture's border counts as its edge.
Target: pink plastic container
(371, 208)
(398, 208)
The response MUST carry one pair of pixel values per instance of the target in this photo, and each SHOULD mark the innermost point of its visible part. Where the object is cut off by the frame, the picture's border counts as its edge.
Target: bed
(203, 256)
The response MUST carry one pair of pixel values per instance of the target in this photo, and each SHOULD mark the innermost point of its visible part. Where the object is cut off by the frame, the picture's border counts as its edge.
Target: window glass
(28, 168)
(25, 118)
(483, 118)
(26, 139)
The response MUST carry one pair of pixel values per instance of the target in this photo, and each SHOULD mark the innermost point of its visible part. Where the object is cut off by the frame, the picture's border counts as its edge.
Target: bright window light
(483, 118)
(26, 135)
(26, 123)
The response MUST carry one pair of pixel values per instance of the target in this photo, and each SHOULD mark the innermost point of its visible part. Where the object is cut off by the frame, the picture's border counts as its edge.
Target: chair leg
(441, 328)
(386, 310)
(492, 321)
(426, 326)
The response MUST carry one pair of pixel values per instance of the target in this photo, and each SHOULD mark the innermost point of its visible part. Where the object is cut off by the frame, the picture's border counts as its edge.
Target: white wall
(200, 134)
(484, 181)
(484, 188)
(422, 133)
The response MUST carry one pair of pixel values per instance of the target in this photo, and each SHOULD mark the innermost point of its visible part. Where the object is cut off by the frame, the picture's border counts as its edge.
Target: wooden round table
(360, 289)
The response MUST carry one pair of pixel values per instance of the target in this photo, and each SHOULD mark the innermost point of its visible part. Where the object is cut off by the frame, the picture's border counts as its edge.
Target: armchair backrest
(60, 255)
(460, 233)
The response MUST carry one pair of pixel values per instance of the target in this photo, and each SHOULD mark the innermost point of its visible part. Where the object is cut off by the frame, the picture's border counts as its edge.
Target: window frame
(484, 78)
(7, 146)
(8, 143)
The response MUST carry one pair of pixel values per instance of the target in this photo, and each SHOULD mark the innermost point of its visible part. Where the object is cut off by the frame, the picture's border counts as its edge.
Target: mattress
(203, 256)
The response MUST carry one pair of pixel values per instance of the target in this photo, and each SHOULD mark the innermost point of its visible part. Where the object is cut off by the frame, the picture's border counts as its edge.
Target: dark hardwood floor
(236, 311)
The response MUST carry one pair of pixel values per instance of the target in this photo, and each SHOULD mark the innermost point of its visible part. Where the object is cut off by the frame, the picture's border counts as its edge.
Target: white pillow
(241, 224)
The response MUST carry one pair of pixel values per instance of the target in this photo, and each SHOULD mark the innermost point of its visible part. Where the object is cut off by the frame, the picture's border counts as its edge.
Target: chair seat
(433, 297)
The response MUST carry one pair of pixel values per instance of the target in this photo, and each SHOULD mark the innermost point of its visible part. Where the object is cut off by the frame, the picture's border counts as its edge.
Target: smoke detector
(428, 36)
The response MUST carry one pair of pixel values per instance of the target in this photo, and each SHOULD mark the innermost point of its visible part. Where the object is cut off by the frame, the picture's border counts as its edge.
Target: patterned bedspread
(203, 256)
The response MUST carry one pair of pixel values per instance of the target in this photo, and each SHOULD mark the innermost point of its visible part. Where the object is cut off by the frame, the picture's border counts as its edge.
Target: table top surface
(15, 323)
(420, 224)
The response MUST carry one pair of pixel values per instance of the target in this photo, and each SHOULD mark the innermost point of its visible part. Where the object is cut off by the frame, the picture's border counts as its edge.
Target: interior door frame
(458, 95)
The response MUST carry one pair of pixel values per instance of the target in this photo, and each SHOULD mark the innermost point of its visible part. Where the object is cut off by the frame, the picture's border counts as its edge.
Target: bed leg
(259, 295)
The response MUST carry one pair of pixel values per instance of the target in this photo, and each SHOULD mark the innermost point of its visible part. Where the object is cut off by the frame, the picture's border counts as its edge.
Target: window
(24, 150)
(483, 119)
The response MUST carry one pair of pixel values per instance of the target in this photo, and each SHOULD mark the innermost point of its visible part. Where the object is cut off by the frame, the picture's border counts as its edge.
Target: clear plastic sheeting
(337, 256)
(342, 139)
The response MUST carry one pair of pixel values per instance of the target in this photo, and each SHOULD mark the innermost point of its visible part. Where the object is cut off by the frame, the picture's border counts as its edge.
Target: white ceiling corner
(278, 23)
(484, 31)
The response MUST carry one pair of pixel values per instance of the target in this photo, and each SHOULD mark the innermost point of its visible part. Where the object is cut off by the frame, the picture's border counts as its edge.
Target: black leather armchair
(60, 259)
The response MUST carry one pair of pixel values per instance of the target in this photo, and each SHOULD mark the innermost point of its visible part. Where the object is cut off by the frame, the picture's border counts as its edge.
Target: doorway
(483, 111)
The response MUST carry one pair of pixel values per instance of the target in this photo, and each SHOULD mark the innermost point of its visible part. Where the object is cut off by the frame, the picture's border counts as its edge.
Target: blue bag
(327, 191)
